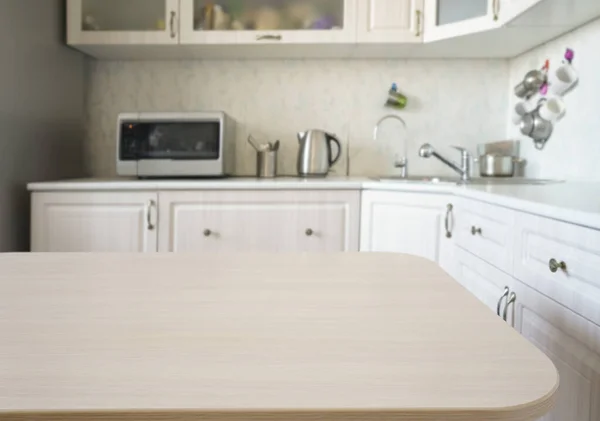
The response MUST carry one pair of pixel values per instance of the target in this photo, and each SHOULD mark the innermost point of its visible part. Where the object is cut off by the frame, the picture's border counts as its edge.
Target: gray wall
(41, 109)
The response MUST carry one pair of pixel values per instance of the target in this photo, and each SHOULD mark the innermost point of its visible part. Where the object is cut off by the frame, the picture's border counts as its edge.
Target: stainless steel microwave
(197, 144)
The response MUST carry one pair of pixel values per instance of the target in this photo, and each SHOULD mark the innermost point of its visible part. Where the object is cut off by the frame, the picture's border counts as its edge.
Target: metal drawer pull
(447, 221)
(504, 296)
(418, 16)
(172, 23)
(511, 300)
(555, 265)
(207, 233)
(475, 230)
(309, 232)
(496, 7)
(151, 205)
(268, 37)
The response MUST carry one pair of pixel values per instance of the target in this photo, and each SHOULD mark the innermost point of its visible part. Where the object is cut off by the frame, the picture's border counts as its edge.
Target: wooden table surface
(249, 337)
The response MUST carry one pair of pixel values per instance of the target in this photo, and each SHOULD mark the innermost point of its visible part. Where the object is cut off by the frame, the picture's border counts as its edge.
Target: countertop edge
(526, 412)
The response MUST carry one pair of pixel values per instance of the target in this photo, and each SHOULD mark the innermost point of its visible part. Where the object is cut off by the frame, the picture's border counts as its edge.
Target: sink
(427, 179)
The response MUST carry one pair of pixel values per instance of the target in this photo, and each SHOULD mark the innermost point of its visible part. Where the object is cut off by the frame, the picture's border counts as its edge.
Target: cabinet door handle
(555, 265)
(309, 232)
(207, 233)
(503, 297)
(172, 25)
(268, 37)
(418, 24)
(511, 300)
(449, 209)
(475, 230)
(496, 7)
(151, 205)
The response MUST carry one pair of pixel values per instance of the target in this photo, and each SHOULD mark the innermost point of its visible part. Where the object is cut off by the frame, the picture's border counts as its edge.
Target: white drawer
(539, 240)
(486, 231)
(258, 221)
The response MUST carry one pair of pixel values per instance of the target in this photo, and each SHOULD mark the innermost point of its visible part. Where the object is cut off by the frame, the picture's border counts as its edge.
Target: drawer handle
(511, 300)
(496, 7)
(503, 297)
(207, 233)
(447, 221)
(418, 24)
(172, 25)
(269, 37)
(309, 233)
(151, 206)
(475, 230)
(555, 265)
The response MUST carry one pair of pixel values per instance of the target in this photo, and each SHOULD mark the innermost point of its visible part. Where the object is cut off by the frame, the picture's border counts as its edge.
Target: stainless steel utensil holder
(266, 164)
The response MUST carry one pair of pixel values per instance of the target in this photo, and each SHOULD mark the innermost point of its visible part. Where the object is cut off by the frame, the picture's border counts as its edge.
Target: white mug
(553, 109)
(563, 79)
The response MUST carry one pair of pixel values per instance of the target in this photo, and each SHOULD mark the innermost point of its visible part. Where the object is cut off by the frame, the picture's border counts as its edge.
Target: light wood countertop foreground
(256, 337)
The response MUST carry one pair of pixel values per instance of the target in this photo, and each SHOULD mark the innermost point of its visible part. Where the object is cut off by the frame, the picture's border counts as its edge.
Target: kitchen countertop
(251, 337)
(573, 202)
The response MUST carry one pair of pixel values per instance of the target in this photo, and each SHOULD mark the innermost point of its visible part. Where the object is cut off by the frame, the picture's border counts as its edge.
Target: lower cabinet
(265, 221)
(490, 285)
(207, 221)
(94, 222)
(572, 343)
(412, 223)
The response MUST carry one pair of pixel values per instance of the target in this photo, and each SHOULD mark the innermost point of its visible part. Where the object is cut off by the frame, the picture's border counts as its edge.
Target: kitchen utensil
(526, 124)
(260, 147)
(542, 129)
(395, 98)
(493, 165)
(315, 155)
(266, 164)
(565, 77)
(531, 84)
(553, 109)
(537, 128)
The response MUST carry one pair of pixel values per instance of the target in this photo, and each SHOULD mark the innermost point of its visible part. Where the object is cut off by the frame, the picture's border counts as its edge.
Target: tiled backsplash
(573, 151)
(451, 102)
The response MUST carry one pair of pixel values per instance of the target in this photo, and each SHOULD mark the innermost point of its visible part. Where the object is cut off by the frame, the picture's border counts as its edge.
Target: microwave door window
(178, 141)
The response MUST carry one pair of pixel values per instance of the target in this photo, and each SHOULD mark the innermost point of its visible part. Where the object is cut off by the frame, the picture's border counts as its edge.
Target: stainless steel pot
(497, 165)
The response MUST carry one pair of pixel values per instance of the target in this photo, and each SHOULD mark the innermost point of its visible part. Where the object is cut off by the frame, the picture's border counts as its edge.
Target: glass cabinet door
(453, 18)
(267, 21)
(123, 21)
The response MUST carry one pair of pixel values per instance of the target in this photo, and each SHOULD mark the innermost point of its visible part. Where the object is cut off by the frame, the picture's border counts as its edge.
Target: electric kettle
(315, 157)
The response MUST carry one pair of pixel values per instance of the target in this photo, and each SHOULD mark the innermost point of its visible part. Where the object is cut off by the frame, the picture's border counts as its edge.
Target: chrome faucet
(401, 163)
(427, 151)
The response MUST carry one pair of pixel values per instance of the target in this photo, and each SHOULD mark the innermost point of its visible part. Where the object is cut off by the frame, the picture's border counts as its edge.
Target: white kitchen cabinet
(122, 22)
(560, 260)
(451, 18)
(486, 231)
(490, 285)
(401, 222)
(510, 9)
(266, 22)
(390, 21)
(93, 222)
(572, 343)
(266, 221)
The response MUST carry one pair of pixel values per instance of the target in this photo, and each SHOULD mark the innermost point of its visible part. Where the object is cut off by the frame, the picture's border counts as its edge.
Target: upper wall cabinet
(119, 22)
(451, 18)
(390, 21)
(188, 29)
(268, 22)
